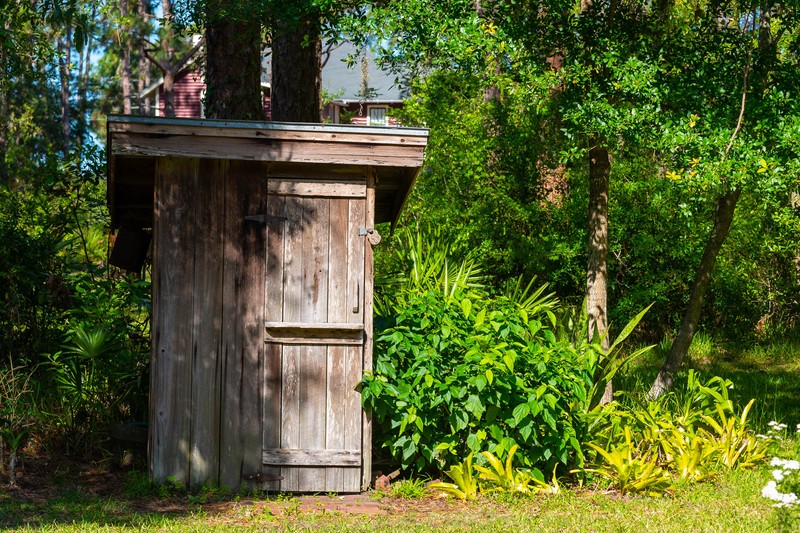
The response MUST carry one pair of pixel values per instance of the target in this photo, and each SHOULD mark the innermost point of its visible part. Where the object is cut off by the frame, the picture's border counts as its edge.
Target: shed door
(315, 285)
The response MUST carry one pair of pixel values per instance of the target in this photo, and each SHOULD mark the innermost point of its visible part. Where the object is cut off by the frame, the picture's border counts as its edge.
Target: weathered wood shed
(262, 291)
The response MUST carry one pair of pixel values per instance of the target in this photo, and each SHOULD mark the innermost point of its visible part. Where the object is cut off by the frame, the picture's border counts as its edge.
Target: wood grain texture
(276, 235)
(243, 316)
(207, 323)
(273, 384)
(313, 373)
(316, 187)
(261, 150)
(268, 131)
(170, 403)
(368, 327)
(290, 411)
(312, 457)
(272, 397)
(313, 389)
(337, 313)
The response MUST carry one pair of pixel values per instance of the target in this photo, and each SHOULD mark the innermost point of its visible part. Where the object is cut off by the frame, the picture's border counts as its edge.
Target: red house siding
(189, 90)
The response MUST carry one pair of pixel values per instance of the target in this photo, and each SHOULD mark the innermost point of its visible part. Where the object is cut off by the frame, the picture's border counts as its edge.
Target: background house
(354, 92)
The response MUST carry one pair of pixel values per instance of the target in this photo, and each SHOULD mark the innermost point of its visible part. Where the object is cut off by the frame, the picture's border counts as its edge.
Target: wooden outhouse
(262, 291)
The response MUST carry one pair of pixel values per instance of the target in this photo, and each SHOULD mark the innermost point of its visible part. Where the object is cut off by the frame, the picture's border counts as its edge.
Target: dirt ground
(41, 479)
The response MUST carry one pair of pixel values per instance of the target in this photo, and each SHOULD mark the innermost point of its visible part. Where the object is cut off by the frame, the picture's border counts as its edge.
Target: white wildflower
(778, 475)
(771, 491)
(792, 465)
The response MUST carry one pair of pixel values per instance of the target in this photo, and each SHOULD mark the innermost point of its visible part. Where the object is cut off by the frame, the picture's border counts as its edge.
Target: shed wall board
(170, 420)
(207, 361)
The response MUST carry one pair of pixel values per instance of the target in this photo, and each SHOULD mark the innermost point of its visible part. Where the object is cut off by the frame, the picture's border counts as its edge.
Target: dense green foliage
(459, 374)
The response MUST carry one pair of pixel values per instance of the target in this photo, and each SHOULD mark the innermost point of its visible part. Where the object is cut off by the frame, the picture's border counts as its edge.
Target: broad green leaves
(491, 383)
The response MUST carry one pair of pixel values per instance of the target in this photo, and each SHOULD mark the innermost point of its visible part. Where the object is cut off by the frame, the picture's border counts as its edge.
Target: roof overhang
(135, 144)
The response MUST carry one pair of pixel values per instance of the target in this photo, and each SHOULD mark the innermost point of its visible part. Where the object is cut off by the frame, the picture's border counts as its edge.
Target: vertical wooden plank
(276, 206)
(276, 230)
(243, 322)
(316, 223)
(272, 389)
(292, 312)
(313, 358)
(368, 341)
(352, 478)
(290, 411)
(170, 397)
(293, 267)
(337, 312)
(207, 323)
(313, 402)
(356, 248)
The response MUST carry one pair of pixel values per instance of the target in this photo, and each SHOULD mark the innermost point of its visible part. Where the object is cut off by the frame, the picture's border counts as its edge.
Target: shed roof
(320, 151)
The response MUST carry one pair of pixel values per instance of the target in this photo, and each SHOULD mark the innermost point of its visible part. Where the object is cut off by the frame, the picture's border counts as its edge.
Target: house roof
(319, 151)
(342, 81)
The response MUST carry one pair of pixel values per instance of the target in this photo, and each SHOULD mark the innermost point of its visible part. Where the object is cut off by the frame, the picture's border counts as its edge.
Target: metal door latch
(372, 235)
(265, 218)
(261, 477)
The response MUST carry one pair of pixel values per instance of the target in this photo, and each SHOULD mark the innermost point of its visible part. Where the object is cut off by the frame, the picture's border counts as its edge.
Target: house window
(378, 116)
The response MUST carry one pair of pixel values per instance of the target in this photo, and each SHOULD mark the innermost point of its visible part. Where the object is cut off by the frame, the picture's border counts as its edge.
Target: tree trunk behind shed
(296, 73)
(233, 69)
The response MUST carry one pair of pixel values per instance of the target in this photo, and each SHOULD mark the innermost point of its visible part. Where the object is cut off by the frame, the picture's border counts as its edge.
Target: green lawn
(732, 503)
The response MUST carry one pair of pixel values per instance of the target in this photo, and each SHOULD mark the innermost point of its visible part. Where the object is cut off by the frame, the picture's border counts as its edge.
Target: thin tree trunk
(169, 93)
(64, 59)
(12, 467)
(144, 62)
(83, 84)
(4, 86)
(296, 73)
(125, 63)
(490, 92)
(597, 268)
(169, 57)
(4, 176)
(723, 217)
(168, 65)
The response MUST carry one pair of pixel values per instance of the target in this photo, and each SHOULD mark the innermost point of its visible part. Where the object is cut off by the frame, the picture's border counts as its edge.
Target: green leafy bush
(457, 375)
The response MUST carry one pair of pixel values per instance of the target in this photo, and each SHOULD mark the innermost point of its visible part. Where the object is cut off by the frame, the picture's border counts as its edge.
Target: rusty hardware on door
(358, 298)
(264, 219)
(372, 235)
